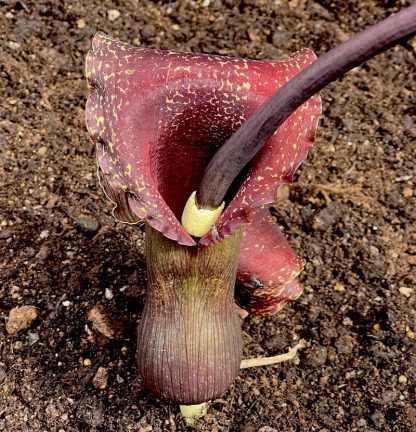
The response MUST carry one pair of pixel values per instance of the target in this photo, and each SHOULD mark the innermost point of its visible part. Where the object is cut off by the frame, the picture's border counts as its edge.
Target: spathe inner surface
(189, 136)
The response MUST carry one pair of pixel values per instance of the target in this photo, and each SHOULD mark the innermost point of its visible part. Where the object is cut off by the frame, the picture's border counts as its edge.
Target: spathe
(159, 116)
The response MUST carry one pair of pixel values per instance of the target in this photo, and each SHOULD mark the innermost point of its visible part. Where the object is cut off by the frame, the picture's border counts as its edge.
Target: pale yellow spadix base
(197, 221)
(191, 413)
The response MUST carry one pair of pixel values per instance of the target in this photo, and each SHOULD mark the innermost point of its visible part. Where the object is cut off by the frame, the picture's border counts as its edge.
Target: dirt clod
(103, 323)
(345, 344)
(21, 318)
(317, 356)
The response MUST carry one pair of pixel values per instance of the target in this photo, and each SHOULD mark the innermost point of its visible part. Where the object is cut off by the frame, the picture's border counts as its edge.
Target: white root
(265, 361)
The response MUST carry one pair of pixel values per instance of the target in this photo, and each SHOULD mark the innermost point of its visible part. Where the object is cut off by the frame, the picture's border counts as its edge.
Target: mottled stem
(244, 144)
(189, 341)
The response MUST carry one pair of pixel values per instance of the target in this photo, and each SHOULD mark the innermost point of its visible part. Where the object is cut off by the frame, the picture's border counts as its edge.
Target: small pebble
(42, 150)
(80, 23)
(389, 396)
(402, 379)
(18, 346)
(30, 252)
(6, 233)
(324, 380)
(88, 225)
(345, 344)
(403, 178)
(317, 356)
(283, 193)
(43, 253)
(340, 287)
(21, 318)
(205, 3)
(100, 379)
(267, 429)
(362, 422)
(147, 428)
(378, 419)
(253, 36)
(293, 4)
(113, 14)
(66, 303)
(44, 234)
(175, 27)
(87, 362)
(33, 337)
(347, 321)
(119, 379)
(52, 200)
(14, 45)
(108, 294)
(405, 291)
(407, 192)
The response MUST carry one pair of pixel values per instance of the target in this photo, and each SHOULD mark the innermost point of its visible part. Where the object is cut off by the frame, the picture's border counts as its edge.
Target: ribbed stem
(189, 339)
(244, 144)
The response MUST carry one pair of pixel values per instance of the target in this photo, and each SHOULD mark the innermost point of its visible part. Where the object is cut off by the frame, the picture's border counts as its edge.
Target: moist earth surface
(350, 214)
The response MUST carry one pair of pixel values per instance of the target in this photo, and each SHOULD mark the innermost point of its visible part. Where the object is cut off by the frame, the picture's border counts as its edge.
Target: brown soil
(350, 214)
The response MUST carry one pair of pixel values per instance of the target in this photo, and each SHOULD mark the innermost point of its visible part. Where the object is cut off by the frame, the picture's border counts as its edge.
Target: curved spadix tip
(198, 221)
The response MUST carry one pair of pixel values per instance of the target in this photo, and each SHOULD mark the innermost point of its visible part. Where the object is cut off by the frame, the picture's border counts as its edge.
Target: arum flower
(158, 118)
(163, 121)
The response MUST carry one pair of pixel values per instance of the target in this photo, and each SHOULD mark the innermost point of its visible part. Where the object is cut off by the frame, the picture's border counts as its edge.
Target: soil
(350, 213)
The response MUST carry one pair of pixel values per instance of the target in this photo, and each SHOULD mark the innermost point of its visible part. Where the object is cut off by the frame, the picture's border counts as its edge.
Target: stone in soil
(88, 225)
(113, 14)
(100, 379)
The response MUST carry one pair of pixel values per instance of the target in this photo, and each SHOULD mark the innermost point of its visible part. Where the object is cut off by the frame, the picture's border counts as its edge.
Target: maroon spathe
(158, 117)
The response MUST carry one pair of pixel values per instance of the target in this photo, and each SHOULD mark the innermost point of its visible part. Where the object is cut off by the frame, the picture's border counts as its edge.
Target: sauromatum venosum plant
(197, 146)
